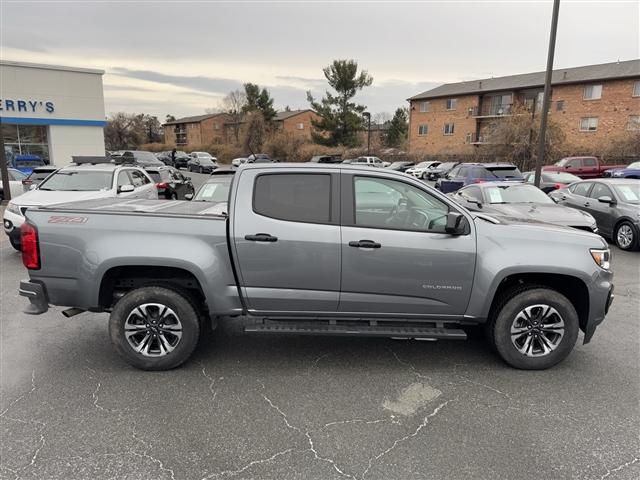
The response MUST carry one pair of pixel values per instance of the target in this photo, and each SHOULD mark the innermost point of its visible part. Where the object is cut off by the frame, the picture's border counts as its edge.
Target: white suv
(79, 183)
(371, 161)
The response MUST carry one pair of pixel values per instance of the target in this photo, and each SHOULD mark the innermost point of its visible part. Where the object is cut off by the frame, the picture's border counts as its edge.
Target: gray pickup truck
(316, 250)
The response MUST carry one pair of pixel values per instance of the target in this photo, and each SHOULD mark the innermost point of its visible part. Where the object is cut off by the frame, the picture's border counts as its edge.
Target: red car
(583, 167)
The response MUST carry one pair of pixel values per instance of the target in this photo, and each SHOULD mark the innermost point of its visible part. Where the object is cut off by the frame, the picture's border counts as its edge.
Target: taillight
(162, 185)
(558, 186)
(29, 246)
(478, 180)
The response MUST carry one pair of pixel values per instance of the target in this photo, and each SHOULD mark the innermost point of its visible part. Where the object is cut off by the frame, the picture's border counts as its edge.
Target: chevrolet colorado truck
(583, 167)
(316, 249)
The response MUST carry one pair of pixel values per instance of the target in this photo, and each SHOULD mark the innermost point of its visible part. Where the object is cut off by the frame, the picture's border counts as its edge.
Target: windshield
(28, 163)
(628, 192)
(77, 181)
(562, 163)
(634, 165)
(205, 161)
(515, 194)
(560, 177)
(214, 191)
(505, 172)
(36, 175)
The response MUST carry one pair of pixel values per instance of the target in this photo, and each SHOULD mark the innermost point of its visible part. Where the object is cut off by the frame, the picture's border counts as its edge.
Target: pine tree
(340, 118)
(398, 128)
(258, 100)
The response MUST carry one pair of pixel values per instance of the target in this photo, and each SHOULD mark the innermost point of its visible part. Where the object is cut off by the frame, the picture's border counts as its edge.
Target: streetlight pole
(4, 173)
(368, 115)
(547, 92)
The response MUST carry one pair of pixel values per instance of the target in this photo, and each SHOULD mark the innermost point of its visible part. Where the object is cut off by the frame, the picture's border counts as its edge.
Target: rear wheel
(625, 236)
(201, 170)
(154, 328)
(534, 329)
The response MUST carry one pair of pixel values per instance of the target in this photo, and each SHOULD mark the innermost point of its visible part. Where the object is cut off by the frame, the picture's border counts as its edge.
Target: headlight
(617, 174)
(601, 257)
(13, 208)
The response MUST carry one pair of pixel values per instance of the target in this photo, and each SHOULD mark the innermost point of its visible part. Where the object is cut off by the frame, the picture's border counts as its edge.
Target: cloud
(131, 88)
(198, 82)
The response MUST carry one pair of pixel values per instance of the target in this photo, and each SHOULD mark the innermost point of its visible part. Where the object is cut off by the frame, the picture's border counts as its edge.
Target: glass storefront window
(26, 140)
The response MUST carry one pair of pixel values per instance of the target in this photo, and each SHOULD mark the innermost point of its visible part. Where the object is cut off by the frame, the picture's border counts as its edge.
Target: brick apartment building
(592, 104)
(193, 132)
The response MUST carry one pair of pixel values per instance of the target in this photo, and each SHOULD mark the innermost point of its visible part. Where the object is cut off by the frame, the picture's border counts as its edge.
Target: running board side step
(357, 330)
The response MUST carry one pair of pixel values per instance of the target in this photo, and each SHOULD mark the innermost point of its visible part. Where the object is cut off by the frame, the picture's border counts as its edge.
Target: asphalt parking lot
(314, 408)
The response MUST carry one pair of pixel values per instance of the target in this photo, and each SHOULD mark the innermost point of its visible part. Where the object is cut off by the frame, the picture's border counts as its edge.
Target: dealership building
(51, 112)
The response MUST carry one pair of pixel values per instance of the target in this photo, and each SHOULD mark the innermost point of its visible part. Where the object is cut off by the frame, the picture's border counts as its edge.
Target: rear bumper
(37, 295)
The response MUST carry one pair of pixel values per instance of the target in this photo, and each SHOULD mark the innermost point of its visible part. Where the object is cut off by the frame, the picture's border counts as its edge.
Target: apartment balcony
(492, 111)
(475, 139)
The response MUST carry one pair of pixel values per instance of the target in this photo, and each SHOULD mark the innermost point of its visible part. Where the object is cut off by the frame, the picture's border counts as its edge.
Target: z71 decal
(67, 219)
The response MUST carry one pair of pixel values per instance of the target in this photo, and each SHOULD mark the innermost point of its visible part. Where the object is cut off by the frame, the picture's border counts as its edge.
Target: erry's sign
(26, 106)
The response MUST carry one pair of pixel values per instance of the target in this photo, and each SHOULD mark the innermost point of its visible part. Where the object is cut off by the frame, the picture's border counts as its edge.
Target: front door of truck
(286, 234)
(396, 256)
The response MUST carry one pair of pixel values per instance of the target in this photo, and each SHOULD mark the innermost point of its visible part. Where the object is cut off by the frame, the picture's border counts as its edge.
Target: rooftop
(193, 119)
(589, 73)
(42, 66)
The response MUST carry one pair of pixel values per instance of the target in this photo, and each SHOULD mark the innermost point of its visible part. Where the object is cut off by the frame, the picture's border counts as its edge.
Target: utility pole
(4, 173)
(547, 91)
(368, 115)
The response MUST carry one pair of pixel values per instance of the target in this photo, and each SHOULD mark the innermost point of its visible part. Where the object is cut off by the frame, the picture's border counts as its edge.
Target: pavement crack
(212, 381)
(619, 467)
(307, 434)
(248, 465)
(146, 455)
(398, 441)
(410, 365)
(23, 396)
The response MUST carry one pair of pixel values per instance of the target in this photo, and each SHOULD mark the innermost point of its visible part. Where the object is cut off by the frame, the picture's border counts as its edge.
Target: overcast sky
(182, 57)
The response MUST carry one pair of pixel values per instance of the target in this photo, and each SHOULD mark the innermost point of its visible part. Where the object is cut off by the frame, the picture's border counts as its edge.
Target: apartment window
(560, 106)
(636, 89)
(423, 129)
(592, 92)
(448, 128)
(425, 107)
(452, 103)
(300, 126)
(589, 124)
(634, 122)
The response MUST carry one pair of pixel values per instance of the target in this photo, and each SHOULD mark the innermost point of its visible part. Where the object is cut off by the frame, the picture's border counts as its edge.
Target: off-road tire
(505, 312)
(183, 308)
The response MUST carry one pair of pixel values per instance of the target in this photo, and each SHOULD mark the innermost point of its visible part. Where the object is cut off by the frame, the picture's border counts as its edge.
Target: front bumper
(37, 295)
(600, 299)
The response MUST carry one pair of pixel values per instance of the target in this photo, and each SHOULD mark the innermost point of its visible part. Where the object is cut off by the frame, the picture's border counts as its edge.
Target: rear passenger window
(581, 189)
(294, 197)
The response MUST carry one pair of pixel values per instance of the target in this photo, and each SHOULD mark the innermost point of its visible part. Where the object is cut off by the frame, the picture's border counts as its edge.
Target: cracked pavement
(314, 408)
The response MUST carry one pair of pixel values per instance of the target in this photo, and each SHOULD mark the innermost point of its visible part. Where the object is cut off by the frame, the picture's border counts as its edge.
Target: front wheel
(15, 244)
(154, 328)
(625, 236)
(534, 329)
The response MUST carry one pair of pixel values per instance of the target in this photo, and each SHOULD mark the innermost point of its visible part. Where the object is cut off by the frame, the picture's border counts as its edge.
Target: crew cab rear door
(396, 257)
(286, 238)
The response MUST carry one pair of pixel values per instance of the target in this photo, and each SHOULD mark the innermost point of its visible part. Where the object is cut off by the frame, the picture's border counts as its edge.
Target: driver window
(123, 179)
(137, 178)
(391, 204)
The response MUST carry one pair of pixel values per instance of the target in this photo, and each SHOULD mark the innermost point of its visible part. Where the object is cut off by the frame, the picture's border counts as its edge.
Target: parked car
(37, 175)
(434, 173)
(138, 158)
(583, 167)
(422, 169)
(468, 173)
(26, 163)
(15, 183)
(401, 166)
(630, 171)
(77, 183)
(550, 181)
(522, 201)
(326, 159)
(216, 188)
(614, 203)
(170, 183)
(293, 254)
(236, 162)
(202, 162)
(369, 161)
(259, 158)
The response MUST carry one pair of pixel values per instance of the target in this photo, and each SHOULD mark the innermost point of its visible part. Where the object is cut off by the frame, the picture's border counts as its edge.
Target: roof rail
(91, 160)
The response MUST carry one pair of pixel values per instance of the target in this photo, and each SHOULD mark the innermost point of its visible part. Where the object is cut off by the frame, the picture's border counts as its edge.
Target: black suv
(171, 183)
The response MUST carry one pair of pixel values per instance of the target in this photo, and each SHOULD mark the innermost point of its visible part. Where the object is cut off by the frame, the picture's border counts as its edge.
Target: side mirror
(188, 196)
(607, 199)
(455, 223)
(126, 188)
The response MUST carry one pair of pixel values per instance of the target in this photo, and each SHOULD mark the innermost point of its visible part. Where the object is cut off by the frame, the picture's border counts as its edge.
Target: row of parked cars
(204, 162)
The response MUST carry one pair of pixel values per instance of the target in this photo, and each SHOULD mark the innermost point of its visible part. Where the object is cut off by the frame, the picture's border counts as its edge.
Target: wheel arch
(573, 288)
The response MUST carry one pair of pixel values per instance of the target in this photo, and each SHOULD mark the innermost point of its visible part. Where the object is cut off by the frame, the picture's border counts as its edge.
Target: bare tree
(381, 118)
(233, 104)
